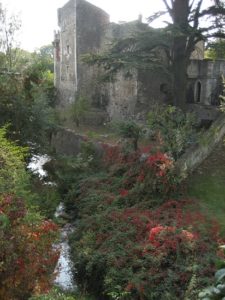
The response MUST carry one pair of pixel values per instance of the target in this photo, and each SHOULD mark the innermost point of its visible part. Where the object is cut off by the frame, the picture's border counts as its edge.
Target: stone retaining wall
(67, 142)
(196, 154)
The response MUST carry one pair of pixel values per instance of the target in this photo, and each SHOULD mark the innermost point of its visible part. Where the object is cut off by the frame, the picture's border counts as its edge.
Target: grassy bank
(207, 184)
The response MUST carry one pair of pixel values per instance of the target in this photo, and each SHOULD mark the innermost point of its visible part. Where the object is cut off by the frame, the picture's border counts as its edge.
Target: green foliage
(66, 172)
(176, 130)
(55, 294)
(78, 109)
(216, 50)
(26, 102)
(131, 131)
(15, 179)
(10, 25)
(138, 51)
(217, 291)
(12, 164)
(46, 198)
(42, 119)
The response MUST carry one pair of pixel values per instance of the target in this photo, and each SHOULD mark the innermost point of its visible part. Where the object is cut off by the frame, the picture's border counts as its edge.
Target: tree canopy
(9, 27)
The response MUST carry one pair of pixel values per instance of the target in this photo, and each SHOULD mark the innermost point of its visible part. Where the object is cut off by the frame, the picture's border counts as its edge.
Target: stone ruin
(85, 28)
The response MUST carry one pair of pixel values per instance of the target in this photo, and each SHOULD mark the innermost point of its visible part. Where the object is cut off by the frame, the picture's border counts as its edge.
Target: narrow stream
(64, 278)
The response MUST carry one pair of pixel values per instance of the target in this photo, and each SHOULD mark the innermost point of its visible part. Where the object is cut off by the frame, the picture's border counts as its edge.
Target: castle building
(85, 28)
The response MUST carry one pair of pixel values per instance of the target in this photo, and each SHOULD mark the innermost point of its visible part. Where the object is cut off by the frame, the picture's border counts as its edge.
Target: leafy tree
(9, 26)
(216, 49)
(177, 42)
(187, 18)
(27, 98)
(29, 112)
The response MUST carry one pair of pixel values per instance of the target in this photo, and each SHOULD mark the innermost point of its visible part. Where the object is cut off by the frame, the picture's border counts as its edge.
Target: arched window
(198, 90)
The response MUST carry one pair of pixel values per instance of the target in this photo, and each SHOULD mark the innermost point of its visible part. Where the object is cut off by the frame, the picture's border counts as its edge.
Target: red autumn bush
(27, 258)
(130, 242)
(148, 254)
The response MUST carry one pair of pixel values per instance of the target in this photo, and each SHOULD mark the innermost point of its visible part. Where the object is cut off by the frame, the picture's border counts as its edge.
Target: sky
(39, 17)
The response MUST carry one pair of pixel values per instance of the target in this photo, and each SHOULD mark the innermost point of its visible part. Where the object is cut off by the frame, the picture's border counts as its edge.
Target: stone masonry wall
(68, 76)
(195, 155)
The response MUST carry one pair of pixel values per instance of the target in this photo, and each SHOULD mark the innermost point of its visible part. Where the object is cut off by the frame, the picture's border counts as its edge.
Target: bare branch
(196, 15)
(191, 5)
(168, 7)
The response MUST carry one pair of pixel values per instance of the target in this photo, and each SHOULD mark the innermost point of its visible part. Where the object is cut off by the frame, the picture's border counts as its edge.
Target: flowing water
(36, 164)
(64, 278)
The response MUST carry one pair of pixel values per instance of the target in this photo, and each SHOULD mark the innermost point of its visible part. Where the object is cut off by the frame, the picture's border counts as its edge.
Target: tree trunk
(180, 59)
(180, 72)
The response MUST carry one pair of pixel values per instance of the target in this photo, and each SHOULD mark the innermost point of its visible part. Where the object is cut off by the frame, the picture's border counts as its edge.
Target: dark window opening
(68, 49)
(198, 91)
(190, 94)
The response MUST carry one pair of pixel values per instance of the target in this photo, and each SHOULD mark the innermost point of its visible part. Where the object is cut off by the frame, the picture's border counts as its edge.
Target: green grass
(208, 186)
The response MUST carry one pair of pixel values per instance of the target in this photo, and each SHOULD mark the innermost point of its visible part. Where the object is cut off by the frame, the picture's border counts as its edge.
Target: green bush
(55, 294)
(217, 291)
(27, 102)
(12, 164)
(175, 129)
(78, 109)
(131, 131)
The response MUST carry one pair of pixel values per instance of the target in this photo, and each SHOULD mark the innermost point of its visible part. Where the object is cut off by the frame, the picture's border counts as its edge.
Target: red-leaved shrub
(27, 258)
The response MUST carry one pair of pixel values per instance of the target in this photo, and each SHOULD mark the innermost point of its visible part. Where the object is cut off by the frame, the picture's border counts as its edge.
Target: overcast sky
(39, 17)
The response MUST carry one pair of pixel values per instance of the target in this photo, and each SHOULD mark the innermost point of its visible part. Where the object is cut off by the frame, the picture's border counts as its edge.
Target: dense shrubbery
(131, 242)
(27, 258)
(56, 294)
(53, 295)
(150, 254)
(12, 166)
(216, 291)
(175, 129)
(27, 98)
